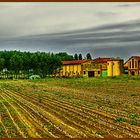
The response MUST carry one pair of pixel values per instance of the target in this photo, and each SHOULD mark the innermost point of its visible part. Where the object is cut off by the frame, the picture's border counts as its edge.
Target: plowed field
(75, 108)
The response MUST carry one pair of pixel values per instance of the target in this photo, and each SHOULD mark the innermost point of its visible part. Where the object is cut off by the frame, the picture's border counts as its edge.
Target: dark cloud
(128, 4)
(110, 39)
(112, 43)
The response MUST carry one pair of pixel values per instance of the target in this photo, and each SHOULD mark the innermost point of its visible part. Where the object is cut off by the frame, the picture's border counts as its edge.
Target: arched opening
(132, 73)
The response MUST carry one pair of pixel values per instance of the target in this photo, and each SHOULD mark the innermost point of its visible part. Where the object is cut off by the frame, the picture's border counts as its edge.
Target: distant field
(76, 108)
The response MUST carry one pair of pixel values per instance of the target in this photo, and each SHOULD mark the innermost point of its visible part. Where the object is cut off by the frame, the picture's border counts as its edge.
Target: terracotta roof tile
(101, 60)
(136, 57)
(72, 62)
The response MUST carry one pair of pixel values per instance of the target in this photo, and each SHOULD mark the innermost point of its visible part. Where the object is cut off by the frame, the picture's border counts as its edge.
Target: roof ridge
(135, 56)
(76, 61)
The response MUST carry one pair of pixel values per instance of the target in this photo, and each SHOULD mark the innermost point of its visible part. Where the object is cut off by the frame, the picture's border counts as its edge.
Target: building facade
(115, 67)
(75, 68)
(132, 65)
(99, 67)
(103, 65)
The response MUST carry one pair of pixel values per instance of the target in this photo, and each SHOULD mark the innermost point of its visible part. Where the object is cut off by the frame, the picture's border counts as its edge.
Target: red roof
(101, 60)
(72, 62)
(136, 57)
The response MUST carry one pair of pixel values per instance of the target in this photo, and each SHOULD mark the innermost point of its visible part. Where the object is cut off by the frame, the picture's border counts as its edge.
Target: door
(104, 73)
(132, 73)
(90, 73)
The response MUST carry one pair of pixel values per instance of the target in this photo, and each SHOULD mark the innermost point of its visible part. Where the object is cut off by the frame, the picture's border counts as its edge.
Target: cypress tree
(76, 56)
(80, 56)
(88, 56)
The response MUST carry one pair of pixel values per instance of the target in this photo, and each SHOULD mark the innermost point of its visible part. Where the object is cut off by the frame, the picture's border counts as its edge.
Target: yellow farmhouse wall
(71, 70)
(115, 68)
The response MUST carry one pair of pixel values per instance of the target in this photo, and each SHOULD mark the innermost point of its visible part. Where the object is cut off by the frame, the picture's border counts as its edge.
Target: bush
(101, 133)
(120, 119)
(134, 122)
(134, 115)
(11, 77)
(134, 94)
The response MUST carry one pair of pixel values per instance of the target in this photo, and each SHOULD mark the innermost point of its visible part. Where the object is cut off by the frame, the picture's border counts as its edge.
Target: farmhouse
(132, 65)
(99, 67)
(110, 66)
(103, 65)
(76, 68)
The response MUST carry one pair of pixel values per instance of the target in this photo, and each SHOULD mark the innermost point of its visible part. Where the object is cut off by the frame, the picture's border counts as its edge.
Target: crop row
(80, 118)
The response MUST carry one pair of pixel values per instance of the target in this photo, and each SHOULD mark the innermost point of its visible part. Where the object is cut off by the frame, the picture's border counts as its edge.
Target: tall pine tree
(88, 56)
(80, 56)
(76, 56)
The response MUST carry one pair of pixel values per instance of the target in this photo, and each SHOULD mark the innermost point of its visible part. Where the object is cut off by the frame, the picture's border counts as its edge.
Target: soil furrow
(45, 114)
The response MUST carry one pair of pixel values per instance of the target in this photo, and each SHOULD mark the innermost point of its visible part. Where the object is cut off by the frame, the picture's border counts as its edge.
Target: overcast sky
(103, 29)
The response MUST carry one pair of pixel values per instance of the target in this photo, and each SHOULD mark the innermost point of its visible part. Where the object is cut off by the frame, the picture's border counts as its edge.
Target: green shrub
(120, 119)
(102, 133)
(134, 94)
(134, 116)
(134, 122)
(1, 132)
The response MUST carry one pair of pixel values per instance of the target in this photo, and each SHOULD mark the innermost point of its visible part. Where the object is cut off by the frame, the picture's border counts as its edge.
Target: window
(84, 67)
(88, 66)
(84, 72)
(132, 63)
(135, 64)
(98, 72)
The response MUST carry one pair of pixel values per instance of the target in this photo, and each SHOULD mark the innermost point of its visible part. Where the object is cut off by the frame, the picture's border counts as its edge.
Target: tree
(27, 63)
(76, 56)
(88, 56)
(64, 56)
(80, 56)
(2, 61)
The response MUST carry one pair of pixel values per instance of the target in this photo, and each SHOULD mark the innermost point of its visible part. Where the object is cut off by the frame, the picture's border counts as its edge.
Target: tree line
(80, 57)
(31, 63)
(40, 63)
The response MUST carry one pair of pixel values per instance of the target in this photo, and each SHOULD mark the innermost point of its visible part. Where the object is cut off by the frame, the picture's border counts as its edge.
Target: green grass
(102, 133)
(134, 116)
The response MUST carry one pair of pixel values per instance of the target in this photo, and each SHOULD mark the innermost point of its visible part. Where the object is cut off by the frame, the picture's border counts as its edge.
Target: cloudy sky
(103, 29)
